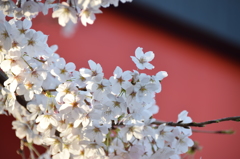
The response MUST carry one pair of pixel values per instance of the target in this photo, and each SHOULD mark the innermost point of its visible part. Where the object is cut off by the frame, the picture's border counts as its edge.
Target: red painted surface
(199, 81)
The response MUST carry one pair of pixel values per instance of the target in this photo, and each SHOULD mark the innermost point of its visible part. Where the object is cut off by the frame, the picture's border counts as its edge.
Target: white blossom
(13, 62)
(65, 13)
(80, 114)
(120, 80)
(30, 9)
(95, 71)
(88, 15)
(96, 133)
(5, 36)
(142, 59)
(23, 130)
(62, 70)
(45, 120)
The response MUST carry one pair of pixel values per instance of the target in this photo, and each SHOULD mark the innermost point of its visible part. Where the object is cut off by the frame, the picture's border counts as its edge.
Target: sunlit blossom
(81, 114)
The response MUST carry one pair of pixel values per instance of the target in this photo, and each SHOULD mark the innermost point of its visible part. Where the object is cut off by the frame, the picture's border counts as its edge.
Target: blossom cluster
(81, 114)
(68, 12)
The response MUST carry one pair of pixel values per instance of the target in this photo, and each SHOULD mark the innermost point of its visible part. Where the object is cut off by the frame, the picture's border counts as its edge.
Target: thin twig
(35, 150)
(21, 150)
(31, 153)
(214, 132)
(21, 153)
(194, 124)
(30, 147)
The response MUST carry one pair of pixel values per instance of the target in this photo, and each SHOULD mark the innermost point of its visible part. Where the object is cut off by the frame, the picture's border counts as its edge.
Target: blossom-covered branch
(194, 124)
(80, 113)
(71, 111)
(68, 12)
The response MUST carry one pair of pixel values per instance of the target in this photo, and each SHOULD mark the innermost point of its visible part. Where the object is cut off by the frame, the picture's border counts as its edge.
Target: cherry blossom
(22, 130)
(62, 70)
(46, 119)
(13, 62)
(120, 80)
(80, 114)
(5, 36)
(88, 16)
(142, 59)
(30, 9)
(29, 89)
(65, 13)
(95, 73)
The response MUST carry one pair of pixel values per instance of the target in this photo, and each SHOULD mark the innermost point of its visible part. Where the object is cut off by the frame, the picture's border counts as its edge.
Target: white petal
(53, 121)
(27, 24)
(29, 95)
(116, 89)
(85, 72)
(117, 72)
(39, 118)
(140, 66)
(6, 65)
(99, 137)
(161, 75)
(138, 134)
(139, 52)
(126, 75)
(149, 66)
(129, 136)
(70, 67)
(21, 90)
(99, 68)
(92, 65)
(37, 89)
(65, 154)
(13, 86)
(77, 123)
(149, 56)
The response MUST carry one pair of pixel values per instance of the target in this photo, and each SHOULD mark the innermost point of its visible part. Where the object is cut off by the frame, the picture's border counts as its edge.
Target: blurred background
(196, 42)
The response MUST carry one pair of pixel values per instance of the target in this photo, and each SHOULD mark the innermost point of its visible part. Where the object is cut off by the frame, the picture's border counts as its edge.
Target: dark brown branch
(3, 77)
(194, 124)
(20, 99)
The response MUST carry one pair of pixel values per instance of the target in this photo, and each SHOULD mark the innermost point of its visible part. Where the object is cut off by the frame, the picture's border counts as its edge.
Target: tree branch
(194, 124)
(3, 77)
(23, 102)
(20, 98)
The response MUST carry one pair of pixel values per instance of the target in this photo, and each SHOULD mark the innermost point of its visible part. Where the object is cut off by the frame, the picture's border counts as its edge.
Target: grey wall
(220, 17)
